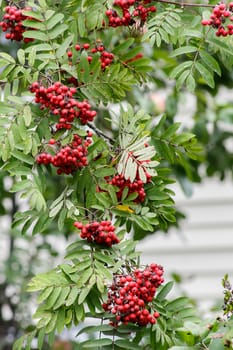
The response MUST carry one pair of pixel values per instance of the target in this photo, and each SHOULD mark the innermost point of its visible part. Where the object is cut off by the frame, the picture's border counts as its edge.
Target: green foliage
(131, 138)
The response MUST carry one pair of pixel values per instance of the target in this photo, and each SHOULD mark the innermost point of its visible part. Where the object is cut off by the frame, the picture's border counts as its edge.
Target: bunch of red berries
(106, 57)
(139, 11)
(58, 98)
(129, 295)
(69, 158)
(102, 233)
(136, 186)
(218, 19)
(12, 22)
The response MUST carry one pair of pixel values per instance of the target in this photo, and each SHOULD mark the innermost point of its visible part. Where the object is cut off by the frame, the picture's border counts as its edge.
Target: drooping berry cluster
(129, 16)
(102, 233)
(136, 186)
(106, 58)
(12, 23)
(58, 98)
(220, 19)
(129, 295)
(69, 158)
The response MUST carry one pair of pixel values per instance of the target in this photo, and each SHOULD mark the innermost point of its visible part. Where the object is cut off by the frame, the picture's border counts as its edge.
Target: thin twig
(100, 133)
(184, 4)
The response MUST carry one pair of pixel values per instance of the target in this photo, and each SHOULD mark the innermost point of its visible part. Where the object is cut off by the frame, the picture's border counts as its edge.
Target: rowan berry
(129, 16)
(102, 233)
(131, 304)
(220, 19)
(12, 22)
(58, 98)
(68, 158)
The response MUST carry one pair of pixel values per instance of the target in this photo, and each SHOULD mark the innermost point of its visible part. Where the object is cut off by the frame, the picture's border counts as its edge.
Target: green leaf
(18, 344)
(30, 23)
(81, 25)
(27, 114)
(74, 292)
(205, 74)
(64, 46)
(125, 45)
(23, 157)
(62, 298)
(102, 270)
(7, 58)
(50, 302)
(180, 68)
(35, 34)
(84, 293)
(61, 319)
(164, 291)
(84, 277)
(185, 348)
(105, 258)
(183, 50)
(21, 56)
(100, 284)
(183, 138)
(34, 14)
(126, 344)
(93, 329)
(54, 20)
(104, 171)
(177, 304)
(52, 323)
(217, 344)
(94, 344)
(103, 198)
(55, 210)
(79, 312)
(44, 294)
(22, 185)
(210, 61)
(191, 83)
(59, 29)
(40, 338)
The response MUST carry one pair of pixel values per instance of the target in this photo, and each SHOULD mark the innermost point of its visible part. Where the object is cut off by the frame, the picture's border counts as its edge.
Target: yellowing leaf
(125, 208)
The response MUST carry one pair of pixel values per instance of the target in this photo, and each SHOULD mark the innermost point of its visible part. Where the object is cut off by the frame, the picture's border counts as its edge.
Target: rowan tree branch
(184, 4)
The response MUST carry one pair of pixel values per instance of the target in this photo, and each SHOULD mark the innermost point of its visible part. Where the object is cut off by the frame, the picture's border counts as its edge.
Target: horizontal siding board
(193, 263)
(192, 237)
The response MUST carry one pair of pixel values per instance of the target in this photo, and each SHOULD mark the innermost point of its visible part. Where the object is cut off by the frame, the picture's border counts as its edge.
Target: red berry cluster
(59, 99)
(106, 57)
(69, 158)
(139, 11)
(136, 186)
(102, 233)
(12, 22)
(129, 295)
(218, 19)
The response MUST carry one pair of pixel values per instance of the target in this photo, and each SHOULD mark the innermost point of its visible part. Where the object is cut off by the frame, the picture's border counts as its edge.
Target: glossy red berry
(101, 233)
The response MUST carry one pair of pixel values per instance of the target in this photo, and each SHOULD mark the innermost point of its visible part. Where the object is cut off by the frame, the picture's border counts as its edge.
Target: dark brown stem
(184, 4)
(100, 133)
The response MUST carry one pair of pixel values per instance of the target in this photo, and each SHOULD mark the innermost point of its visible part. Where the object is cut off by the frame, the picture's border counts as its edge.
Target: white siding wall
(202, 250)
